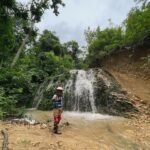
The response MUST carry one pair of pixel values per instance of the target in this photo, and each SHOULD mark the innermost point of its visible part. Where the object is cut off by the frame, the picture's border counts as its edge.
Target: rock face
(95, 91)
(109, 97)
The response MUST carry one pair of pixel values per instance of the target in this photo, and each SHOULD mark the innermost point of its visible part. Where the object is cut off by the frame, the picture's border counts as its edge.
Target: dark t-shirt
(57, 101)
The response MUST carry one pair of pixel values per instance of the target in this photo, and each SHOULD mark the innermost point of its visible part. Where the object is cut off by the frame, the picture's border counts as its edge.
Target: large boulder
(109, 96)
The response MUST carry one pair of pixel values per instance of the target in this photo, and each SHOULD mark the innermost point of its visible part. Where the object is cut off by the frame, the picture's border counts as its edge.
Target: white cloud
(77, 15)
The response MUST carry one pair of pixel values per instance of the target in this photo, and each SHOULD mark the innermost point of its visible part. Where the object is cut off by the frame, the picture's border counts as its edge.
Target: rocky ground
(80, 133)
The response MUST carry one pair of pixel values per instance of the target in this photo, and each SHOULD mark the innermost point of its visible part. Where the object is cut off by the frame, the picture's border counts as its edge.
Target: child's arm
(53, 100)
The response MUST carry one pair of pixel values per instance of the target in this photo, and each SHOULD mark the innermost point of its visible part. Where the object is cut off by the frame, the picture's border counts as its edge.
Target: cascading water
(93, 91)
(79, 92)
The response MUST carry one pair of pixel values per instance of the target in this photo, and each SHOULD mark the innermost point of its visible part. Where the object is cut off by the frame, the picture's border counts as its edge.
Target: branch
(5, 141)
(19, 51)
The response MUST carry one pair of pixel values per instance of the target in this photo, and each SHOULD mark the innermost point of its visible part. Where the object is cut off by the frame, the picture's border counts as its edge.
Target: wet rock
(96, 91)
(110, 98)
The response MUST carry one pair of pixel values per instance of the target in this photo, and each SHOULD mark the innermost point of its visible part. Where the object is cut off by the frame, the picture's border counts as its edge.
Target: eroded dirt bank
(134, 86)
(132, 71)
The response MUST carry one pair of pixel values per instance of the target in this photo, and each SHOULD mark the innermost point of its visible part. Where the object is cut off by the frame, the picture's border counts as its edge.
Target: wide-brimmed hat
(59, 88)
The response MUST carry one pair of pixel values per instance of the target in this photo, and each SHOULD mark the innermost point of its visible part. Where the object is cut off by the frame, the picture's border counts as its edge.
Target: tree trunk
(19, 51)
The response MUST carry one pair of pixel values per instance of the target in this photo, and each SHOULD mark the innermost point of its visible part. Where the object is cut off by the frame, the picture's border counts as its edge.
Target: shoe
(55, 129)
(57, 132)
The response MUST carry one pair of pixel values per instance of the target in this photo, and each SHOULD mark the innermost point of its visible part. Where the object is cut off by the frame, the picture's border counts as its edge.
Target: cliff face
(110, 98)
(131, 69)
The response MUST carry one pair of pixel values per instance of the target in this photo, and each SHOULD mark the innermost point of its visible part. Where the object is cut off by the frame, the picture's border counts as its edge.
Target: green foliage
(50, 42)
(7, 103)
(73, 49)
(55, 65)
(6, 29)
(102, 43)
(19, 84)
(16, 84)
(46, 103)
(58, 71)
(40, 59)
(91, 35)
(137, 24)
(81, 64)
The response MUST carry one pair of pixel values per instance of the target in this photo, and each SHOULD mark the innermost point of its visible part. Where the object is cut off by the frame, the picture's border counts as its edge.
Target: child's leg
(59, 115)
(56, 115)
(56, 120)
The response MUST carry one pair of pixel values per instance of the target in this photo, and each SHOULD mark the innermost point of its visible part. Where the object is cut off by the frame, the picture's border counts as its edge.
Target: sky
(78, 15)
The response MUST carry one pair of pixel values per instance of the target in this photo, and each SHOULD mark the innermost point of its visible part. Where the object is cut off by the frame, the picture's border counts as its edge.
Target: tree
(91, 35)
(6, 29)
(17, 84)
(103, 43)
(73, 48)
(34, 12)
(50, 42)
(137, 24)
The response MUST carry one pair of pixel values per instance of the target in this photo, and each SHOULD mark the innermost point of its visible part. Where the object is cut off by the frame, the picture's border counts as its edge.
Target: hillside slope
(132, 71)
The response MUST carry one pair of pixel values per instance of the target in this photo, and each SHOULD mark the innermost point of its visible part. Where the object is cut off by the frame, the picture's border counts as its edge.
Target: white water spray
(81, 91)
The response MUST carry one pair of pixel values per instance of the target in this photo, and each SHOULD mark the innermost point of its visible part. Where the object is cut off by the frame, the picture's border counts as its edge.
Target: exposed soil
(132, 63)
(134, 86)
(132, 71)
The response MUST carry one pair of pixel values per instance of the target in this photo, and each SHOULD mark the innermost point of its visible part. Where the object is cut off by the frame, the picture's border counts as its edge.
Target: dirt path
(83, 133)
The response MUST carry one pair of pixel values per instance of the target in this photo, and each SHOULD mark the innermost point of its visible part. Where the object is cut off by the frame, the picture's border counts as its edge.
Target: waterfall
(79, 91)
(94, 90)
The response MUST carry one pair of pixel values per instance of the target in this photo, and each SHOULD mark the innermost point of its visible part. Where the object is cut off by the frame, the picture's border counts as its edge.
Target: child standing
(57, 108)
